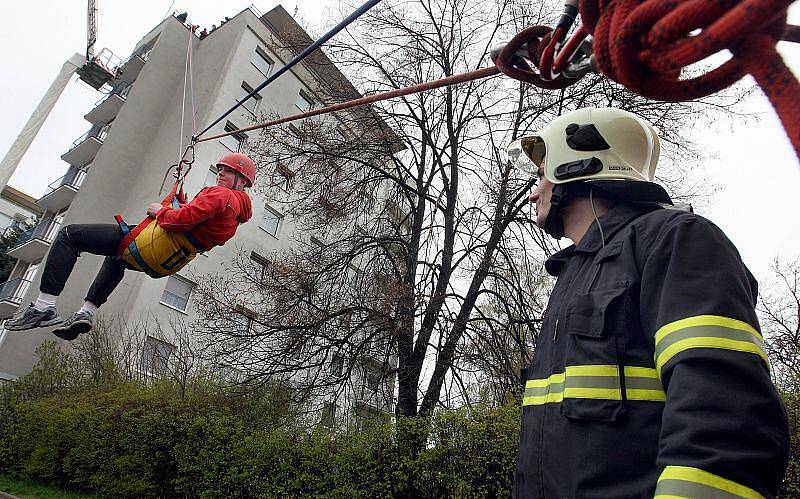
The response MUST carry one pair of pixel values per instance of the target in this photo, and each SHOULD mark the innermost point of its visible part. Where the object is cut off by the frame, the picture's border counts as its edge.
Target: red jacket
(211, 217)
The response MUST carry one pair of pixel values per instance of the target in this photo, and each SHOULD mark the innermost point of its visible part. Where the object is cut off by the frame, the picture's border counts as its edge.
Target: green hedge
(134, 442)
(121, 439)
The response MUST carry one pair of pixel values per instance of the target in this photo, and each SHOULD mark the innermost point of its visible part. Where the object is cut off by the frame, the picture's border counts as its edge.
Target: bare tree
(415, 240)
(779, 309)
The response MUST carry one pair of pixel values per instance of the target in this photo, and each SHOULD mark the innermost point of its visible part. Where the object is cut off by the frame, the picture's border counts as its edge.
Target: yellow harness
(149, 248)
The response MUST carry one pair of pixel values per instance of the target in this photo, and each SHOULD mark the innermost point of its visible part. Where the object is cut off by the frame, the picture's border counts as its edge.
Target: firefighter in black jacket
(650, 376)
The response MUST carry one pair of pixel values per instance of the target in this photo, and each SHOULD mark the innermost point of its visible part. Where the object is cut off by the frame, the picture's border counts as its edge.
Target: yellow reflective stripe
(706, 320)
(718, 343)
(598, 382)
(640, 372)
(553, 394)
(654, 395)
(706, 331)
(550, 398)
(685, 481)
(593, 393)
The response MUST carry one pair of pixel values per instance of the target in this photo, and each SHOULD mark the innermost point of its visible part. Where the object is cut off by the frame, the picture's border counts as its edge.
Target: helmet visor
(535, 149)
(519, 159)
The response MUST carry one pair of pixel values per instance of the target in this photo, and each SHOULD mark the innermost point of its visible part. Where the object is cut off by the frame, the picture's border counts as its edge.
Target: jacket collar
(617, 217)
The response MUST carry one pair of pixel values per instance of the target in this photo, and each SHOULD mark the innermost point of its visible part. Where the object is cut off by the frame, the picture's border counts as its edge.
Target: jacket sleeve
(724, 428)
(202, 208)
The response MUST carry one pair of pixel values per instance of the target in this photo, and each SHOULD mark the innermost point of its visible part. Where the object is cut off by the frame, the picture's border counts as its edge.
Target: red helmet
(242, 164)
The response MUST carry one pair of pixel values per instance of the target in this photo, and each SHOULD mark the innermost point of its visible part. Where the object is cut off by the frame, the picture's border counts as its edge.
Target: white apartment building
(17, 208)
(120, 166)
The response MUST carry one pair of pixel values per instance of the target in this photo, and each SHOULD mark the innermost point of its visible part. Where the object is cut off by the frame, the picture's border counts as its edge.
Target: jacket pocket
(593, 386)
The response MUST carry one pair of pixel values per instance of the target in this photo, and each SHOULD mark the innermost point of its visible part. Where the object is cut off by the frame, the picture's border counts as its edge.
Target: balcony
(60, 193)
(106, 109)
(33, 244)
(130, 69)
(11, 294)
(83, 150)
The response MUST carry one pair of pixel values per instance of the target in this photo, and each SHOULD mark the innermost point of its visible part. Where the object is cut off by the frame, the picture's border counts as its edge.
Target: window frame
(250, 316)
(211, 169)
(263, 263)
(336, 365)
(240, 137)
(188, 295)
(278, 215)
(302, 94)
(147, 362)
(259, 52)
(255, 101)
(287, 176)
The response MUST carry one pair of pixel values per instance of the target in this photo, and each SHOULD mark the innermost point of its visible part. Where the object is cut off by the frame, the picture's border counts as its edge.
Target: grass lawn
(31, 490)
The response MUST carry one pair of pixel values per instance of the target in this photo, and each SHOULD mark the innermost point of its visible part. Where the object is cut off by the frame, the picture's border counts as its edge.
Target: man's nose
(534, 195)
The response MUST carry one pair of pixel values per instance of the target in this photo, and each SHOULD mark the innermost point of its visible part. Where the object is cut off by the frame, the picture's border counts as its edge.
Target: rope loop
(529, 44)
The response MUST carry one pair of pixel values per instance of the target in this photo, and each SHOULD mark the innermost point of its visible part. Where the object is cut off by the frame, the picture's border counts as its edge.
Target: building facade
(122, 164)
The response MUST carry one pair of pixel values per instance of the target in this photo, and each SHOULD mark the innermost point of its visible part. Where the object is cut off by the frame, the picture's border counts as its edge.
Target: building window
(250, 104)
(5, 221)
(155, 356)
(211, 177)
(304, 102)
(328, 417)
(372, 381)
(343, 134)
(244, 320)
(261, 61)
(176, 293)
(284, 177)
(233, 142)
(337, 365)
(271, 221)
(229, 374)
(260, 266)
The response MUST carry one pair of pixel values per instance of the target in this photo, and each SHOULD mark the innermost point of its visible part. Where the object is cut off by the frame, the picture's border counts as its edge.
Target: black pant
(72, 240)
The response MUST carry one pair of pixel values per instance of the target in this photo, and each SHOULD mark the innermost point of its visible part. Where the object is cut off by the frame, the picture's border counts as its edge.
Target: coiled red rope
(646, 44)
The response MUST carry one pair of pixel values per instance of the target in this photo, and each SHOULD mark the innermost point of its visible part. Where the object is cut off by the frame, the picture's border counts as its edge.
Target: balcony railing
(34, 243)
(14, 290)
(98, 132)
(60, 193)
(129, 70)
(106, 109)
(72, 179)
(45, 231)
(83, 150)
(121, 90)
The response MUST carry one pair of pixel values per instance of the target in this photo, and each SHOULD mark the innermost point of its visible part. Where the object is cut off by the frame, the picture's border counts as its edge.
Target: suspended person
(650, 376)
(209, 220)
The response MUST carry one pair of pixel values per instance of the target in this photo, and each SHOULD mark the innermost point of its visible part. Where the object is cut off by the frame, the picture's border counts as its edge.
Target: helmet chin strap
(554, 223)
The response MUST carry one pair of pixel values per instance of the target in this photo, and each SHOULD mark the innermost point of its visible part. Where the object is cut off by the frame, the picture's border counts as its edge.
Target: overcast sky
(755, 169)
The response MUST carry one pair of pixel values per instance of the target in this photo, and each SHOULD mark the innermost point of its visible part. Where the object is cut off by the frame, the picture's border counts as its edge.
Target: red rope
(444, 82)
(645, 44)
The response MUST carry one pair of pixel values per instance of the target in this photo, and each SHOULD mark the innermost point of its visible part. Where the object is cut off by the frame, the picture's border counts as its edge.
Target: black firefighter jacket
(650, 376)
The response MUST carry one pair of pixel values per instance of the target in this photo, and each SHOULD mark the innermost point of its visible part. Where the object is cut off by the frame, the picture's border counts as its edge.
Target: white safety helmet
(600, 145)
